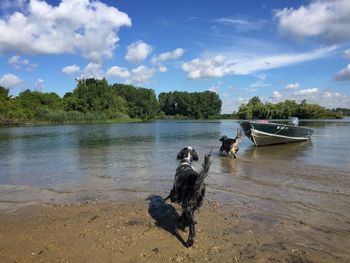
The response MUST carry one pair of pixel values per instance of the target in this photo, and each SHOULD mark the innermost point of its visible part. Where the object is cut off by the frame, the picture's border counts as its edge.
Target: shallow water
(82, 162)
(121, 161)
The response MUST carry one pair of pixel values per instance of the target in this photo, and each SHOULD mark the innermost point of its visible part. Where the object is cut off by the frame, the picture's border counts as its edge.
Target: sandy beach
(144, 231)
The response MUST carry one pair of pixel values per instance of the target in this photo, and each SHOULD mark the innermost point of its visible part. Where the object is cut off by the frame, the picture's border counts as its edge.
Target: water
(74, 163)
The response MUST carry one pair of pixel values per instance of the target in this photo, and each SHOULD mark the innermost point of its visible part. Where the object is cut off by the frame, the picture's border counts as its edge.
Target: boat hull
(262, 134)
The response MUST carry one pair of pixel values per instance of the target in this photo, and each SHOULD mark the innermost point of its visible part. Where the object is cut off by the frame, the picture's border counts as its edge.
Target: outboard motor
(293, 121)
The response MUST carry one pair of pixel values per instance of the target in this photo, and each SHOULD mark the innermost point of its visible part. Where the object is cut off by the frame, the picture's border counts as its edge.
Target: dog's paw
(189, 243)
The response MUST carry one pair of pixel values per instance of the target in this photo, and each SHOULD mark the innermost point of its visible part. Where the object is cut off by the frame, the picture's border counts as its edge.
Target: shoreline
(144, 231)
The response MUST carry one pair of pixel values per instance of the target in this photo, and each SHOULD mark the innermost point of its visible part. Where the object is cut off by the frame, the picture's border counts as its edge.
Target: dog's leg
(192, 231)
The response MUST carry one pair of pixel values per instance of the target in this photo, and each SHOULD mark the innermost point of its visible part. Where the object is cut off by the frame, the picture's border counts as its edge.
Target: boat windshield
(293, 121)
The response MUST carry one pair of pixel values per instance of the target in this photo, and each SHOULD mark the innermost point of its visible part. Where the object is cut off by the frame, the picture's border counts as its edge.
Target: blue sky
(276, 50)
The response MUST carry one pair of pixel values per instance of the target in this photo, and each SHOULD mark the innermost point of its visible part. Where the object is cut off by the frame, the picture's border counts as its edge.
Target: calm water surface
(75, 163)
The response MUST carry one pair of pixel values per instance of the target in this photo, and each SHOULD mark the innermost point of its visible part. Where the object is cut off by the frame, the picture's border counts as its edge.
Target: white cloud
(307, 92)
(118, 72)
(325, 98)
(162, 69)
(250, 65)
(347, 53)
(71, 69)
(10, 81)
(141, 75)
(328, 19)
(138, 52)
(292, 86)
(84, 26)
(92, 70)
(171, 55)
(244, 64)
(240, 24)
(343, 75)
(39, 84)
(17, 62)
(276, 94)
(202, 68)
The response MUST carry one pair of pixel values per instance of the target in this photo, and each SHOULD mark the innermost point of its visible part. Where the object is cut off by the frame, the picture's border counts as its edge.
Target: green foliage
(92, 95)
(141, 102)
(255, 109)
(196, 105)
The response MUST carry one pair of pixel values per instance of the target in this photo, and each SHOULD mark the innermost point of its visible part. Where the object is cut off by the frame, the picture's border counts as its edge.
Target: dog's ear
(195, 155)
(181, 154)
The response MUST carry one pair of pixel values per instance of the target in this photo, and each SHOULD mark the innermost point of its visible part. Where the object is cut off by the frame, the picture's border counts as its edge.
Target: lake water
(74, 163)
(299, 182)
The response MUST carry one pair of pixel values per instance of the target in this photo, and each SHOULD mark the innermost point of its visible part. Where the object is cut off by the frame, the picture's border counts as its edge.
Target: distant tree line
(255, 109)
(345, 111)
(196, 105)
(96, 100)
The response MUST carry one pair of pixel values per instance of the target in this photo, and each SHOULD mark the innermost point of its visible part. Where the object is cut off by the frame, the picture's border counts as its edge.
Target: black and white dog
(229, 145)
(189, 188)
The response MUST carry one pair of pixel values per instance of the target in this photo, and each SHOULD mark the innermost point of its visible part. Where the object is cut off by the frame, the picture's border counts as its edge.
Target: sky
(276, 50)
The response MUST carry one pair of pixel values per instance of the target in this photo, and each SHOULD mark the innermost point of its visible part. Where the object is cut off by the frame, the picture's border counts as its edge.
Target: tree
(197, 105)
(142, 103)
(93, 95)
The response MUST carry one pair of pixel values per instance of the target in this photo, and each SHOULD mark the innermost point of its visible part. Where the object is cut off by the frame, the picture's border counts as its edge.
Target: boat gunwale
(277, 124)
(280, 136)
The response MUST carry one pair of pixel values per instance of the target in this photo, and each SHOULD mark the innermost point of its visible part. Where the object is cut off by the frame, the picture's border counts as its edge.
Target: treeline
(255, 109)
(197, 105)
(95, 100)
(345, 111)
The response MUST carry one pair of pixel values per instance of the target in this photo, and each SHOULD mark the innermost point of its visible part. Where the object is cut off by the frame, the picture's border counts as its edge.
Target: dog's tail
(204, 172)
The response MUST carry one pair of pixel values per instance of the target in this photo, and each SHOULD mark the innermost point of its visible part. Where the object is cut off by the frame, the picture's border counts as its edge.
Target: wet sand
(144, 231)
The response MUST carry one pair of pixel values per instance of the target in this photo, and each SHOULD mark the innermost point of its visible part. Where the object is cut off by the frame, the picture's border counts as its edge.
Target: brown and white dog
(229, 145)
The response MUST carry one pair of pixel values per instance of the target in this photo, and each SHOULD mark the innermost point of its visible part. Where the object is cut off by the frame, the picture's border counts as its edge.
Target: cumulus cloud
(118, 72)
(343, 75)
(325, 98)
(84, 26)
(329, 20)
(244, 64)
(292, 86)
(71, 69)
(92, 70)
(141, 75)
(306, 92)
(171, 55)
(17, 62)
(202, 68)
(137, 52)
(10, 81)
(276, 94)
